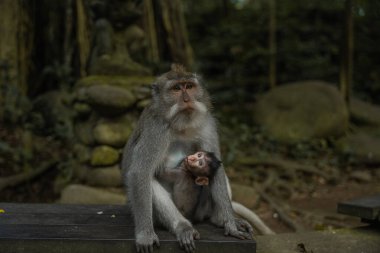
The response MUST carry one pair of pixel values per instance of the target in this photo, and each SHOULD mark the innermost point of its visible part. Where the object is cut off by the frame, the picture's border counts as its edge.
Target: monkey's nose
(185, 97)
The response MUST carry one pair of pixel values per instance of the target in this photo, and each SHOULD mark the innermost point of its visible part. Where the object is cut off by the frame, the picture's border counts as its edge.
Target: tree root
(281, 212)
(332, 219)
(25, 176)
(285, 164)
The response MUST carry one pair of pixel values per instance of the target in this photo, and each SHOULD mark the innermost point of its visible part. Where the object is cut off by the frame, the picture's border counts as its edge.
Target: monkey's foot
(186, 236)
(231, 228)
(243, 226)
(145, 241)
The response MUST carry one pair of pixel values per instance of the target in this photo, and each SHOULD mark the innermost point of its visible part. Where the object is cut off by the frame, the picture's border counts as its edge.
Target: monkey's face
(197, 164)
(184, 93)
(179, 97)
(183, 100)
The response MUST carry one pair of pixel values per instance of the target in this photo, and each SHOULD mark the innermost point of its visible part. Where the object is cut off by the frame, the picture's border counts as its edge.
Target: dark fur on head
(177, 71)
(213, 164)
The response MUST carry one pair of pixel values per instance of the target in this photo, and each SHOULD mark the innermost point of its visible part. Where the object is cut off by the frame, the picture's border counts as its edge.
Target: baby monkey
(188, 177)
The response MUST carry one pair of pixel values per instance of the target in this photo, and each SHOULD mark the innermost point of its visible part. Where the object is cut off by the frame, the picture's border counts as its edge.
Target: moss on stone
(302, 111)
(104, 156)
(127, 82)
(113, 132)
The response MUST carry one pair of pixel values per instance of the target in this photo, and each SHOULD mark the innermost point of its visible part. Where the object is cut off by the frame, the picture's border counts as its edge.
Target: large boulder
(364, 113)
(302, 111)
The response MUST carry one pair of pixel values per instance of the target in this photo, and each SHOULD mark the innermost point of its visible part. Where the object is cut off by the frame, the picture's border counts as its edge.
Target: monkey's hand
(244, 226)
(186, 235)
(232, 228)
(145, 241)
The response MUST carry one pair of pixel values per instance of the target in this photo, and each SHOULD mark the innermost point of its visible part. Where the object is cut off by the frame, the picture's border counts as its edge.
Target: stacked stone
(107, 109)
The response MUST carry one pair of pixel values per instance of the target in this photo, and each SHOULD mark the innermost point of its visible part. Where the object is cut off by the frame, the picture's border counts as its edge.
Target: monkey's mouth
(187, 109)
(188, 162)
(187, 106)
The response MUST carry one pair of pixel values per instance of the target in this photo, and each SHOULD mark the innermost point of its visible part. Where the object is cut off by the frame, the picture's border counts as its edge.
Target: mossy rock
(139, 86)
(116, 65)
(114, 132)
(105, 176)
(144, 103)
(108, 100)
(82, 153)
(302, 111)
(125, 82)
(104, 156)
(82, 109)
(84, 130)
(363, 147)
(364, 113)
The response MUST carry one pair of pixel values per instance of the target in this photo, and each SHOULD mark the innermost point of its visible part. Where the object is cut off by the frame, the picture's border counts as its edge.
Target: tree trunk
(175, 26)
(150, 29)
(272, 44)
(15, 46)
(346, 72)
(83, 36)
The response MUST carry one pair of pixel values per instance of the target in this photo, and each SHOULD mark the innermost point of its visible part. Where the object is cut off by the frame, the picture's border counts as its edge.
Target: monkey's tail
(252, 218)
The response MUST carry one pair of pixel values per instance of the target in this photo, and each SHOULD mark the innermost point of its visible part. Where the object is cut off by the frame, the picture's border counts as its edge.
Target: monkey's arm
(170, 175)
(143, 152)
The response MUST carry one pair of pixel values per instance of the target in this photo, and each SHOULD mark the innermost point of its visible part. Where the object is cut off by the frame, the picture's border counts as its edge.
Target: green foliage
(230, 41)
(367, 51)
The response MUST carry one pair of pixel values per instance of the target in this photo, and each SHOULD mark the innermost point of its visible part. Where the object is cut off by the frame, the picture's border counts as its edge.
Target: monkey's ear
(201, 181)
(155, 88)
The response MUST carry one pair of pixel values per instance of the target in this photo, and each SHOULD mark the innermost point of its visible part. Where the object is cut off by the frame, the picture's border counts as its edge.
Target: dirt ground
(319, 211)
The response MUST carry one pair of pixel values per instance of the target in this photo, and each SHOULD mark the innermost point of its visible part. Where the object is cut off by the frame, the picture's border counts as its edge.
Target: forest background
(74, 76)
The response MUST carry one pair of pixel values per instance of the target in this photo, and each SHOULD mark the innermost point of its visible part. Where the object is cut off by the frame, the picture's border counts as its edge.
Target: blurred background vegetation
(295, 86)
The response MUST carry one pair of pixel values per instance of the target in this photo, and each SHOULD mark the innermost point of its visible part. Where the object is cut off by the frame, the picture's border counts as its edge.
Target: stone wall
(106, 109)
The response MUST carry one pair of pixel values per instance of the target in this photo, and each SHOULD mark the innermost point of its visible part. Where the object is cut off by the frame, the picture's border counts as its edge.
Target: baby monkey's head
(203, 166)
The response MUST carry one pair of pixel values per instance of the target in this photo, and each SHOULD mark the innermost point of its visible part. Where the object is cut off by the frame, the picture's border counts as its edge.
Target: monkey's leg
(222, 213)
(169, 216)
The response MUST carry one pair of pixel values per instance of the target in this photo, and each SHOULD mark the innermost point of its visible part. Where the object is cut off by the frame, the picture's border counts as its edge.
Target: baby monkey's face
(198, 164)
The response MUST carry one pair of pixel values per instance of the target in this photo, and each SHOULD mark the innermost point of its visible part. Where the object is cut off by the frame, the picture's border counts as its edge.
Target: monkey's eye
(176, 87)
(189, 86)
(200, 163)
(199, 154)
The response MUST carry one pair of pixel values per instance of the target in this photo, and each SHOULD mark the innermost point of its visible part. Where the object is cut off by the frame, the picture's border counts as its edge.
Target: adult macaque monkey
(177, 123)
